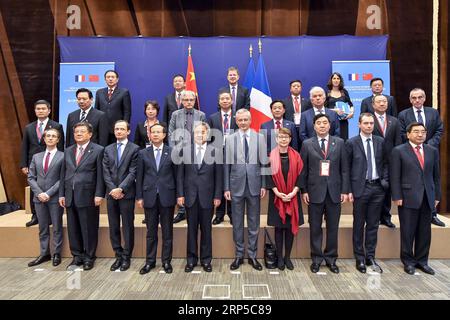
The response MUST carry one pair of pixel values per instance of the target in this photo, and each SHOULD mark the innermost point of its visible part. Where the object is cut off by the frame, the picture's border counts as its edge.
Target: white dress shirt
(374, 165)
(52, 155)
(416, 114)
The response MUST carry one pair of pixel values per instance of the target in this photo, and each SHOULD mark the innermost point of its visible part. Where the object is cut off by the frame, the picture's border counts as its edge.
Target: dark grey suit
(49, 212)
(366, 105)
(97, 119)
(121, 175)
(177, 127)
(242, 96)
(305, 104)
(433, 123)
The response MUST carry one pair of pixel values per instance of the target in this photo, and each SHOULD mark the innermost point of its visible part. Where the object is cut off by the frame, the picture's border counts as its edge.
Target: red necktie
(296, 105)
(80, 155)
(419, 156)
(110, 92)
(278, 123)
(47, 160)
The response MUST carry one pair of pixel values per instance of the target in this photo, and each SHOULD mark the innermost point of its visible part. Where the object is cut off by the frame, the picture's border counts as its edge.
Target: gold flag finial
(189, 49)
(251, 51)
(260, 46)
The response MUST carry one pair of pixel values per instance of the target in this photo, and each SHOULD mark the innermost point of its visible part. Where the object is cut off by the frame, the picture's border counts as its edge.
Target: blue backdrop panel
(147, 65)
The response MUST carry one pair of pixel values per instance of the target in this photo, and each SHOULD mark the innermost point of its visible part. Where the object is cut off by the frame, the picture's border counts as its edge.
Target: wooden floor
(17, 281)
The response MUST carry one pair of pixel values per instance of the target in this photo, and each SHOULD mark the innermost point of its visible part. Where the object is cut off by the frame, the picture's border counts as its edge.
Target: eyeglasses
(283, 137)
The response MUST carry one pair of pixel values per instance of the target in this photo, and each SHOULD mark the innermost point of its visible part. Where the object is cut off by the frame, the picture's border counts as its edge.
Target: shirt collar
(317, 110)
(52, 152)
(299, 97)
(241, 133)
(231, 86)
(124, 142)
(223, 112)
(83, 146)
(415, 109)
(415, 145)
(87, 110)
(364, 138)
(327, 138)
(161, 147)
(203, 146)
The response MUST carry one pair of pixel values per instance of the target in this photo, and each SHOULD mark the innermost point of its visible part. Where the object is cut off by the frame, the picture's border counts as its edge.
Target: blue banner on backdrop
(146, 65)
(73, 76)
(357, 76)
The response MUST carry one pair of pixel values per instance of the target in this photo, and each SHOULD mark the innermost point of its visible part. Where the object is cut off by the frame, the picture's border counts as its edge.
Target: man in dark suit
(295, 104)
(317, 96)
(81, 191)
(172, 102)
(200, 185)
(432, 121)
(156, 193)
(114, 101)
(376, 84)
(119, 173)
(324, 185)
(416, 189)
(96, 118)
(240, 95)
(387, 127)
(368, 178)
(43, 178)
(270, 128)
(33, 142)
(222, 124)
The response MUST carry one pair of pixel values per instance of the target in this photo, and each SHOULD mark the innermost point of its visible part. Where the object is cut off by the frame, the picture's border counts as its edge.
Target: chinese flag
(191, 84)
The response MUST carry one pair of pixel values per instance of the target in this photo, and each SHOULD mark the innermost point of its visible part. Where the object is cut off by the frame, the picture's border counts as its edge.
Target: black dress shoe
(116, 265)
(144, 221)
(75, 262)
(280, 264)
(361, 267)
(375, 266)
(189, 267)
(288, 263)
(146, 268)
(435, 220)
(426, 268)
(179, 217)
(207, 267)
(39, 260)
(217, 221)
(409, 269)
(56, 259)
(33, 221)
(255, 264)
(315, 267)
(88, 265)
(333, 268)
(387, 223)
(236, 263)
(125, 265)
(167, 267)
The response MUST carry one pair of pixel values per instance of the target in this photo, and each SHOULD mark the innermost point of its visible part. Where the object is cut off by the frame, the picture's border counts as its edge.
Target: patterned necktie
(178, 100)
(419, 156)
(322, 146)
(46, 163)
(83, 116)
(199, 157)
(189, 121)
(158, 158)
(119, 152)
(225, 122)
(40, 131)
(110, 93)
(419, 116)
(233, 95)
(246, 148)
(80, 155)
(369, 161)
(278, 124)
(296, 105)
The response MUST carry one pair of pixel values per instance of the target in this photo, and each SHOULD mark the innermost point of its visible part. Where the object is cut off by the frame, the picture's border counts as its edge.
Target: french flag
(353, 77)
(80, 78)
(260, 97)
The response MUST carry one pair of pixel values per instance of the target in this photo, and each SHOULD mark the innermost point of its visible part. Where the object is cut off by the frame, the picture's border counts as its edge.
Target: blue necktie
(119, 152)
(369, 160)
(419, 116)
(158, 158)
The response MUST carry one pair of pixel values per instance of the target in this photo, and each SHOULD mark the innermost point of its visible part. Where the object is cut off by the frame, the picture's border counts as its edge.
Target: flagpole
(250, 49)
(260, 46)
(189, 50)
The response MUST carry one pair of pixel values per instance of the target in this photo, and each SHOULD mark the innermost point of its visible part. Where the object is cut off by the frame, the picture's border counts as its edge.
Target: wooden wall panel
(332, 17)
(59, 11)
(237, 18)
(282, 18)
(361, 23)
(149, 15)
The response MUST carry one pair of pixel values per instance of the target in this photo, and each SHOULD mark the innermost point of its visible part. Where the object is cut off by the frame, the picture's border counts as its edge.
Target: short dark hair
(294, 81)
(84, 90)
(114, 71)
(125, 121)
(52, 129)
(178, 75)
(155, 105)
(275, 101)
(376, 79)
(365, 114)
(42, 101)
(320, 115)
(85, 124)
(415, 124)
(159, 124)
(330, 81)
(232, 68)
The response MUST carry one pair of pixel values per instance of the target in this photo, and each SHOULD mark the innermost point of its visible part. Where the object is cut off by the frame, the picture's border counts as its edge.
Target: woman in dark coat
(285, 208)
(151, 111)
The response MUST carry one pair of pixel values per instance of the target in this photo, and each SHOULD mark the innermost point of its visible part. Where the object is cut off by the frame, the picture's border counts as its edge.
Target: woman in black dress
(285, 208)
(336, 92)
(151, 111)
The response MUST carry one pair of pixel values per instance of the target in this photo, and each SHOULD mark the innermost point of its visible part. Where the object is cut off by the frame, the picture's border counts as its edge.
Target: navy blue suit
(433, 123)
(269, 127)
(307, 124)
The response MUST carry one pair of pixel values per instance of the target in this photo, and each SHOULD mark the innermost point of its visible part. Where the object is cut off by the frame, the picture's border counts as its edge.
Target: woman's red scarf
(295, 167)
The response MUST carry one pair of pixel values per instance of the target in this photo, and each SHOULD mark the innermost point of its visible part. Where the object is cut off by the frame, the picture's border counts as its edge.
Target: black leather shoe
(144, 221)
(315, 267)
(426, 268)
(88, 265)
(56, 259)
(280, 264)
(207, 267)
(116, 265)
(387, 223)
(125, 265)
(32, 222)
(236, 263)
(75, 262)
(435, 220)
(189, 267)
(288, 263)
(375, 266)
(167, 267)
(39, 260)
(333, 268)
(217, 221)
(146, 268)
(361, 267)
(179, 217)
(255, 264)
(409, 269)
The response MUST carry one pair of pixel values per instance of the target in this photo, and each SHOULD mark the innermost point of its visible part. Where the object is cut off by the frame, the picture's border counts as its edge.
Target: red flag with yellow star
(191, 84)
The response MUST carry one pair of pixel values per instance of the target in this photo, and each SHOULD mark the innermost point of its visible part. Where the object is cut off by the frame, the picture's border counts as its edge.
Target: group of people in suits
(218, 163)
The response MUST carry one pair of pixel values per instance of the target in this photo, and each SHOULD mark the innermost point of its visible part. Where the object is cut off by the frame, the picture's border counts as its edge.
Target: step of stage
(18, 241)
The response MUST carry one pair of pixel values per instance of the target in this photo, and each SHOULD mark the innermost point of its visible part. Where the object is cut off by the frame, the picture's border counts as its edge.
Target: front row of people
(326, 173)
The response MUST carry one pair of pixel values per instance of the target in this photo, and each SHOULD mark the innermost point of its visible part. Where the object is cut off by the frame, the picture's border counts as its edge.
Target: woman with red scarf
(285, 209)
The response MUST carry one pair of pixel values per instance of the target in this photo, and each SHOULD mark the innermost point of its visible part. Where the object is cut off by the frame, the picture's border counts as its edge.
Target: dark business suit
(324, 194)
(433, 123)
(242, 96)
(268, 130)
(170, 106)
(141, 136)
(118, 108)
(418, 189)
(366, 105)
(392, 138)
(97, 119)
(305, 104)
(368, 195)
(157, 187)
(200, 185)
(121, 175)
(79, 185)
(307, 125)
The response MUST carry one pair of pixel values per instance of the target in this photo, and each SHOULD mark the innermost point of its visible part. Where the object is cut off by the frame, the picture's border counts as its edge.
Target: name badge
(297, 118)
(324, 168)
